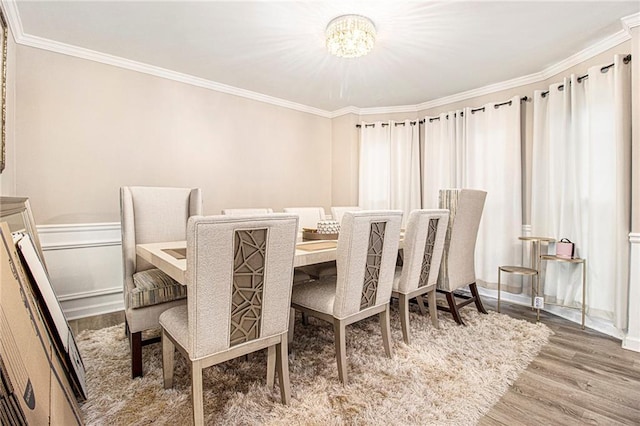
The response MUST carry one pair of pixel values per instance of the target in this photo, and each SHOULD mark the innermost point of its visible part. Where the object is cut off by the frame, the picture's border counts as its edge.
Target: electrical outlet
(538, 302)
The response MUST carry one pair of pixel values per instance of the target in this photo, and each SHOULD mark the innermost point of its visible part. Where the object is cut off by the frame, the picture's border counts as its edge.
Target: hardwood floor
(580, 377)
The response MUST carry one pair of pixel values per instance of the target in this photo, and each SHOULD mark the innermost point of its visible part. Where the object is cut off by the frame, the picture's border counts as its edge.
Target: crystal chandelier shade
(350, 36)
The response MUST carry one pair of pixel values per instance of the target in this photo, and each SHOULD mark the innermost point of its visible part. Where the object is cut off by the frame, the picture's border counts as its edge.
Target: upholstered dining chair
(338, 212)
(151, 215)
(366, 256)
(423, 247)
(238, 273)
(230, 212)
(458, 261)
(309, 216)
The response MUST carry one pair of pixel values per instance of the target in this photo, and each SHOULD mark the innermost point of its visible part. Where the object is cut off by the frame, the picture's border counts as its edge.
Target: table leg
(584, 289)
(498, 289)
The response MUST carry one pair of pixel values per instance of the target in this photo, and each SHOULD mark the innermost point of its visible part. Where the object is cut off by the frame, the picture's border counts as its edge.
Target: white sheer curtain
(375, 166)
(581, 185)
(390, 166)
(405, 166)
(442, 166)
(481, 148)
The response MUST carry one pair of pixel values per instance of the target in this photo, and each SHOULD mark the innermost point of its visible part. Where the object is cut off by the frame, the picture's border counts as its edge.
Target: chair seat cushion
(316, 295)
(153, 287)
(176, 323)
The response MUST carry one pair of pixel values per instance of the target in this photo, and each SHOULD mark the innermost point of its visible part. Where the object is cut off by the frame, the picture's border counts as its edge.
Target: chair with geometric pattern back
(239, 275)
(366, 258)
(423, 247)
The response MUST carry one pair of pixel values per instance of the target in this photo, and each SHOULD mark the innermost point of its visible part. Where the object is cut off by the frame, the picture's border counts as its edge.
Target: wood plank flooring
(582, 377)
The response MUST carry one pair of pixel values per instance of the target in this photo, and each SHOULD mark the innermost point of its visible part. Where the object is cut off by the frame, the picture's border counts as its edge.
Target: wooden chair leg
(403, 304)
(305, 319)
(168, 354)
(341, 349)
(135, 342)
(271, 366)
(476, 297)
(385, 325)
(196, 393)
(453, 308)
(433, 308)
(420, 300)
(292, 322)
(282, 361)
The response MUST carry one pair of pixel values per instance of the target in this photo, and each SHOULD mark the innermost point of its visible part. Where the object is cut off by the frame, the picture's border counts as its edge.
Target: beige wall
(84, 129)
(345, 134)
(8, 176)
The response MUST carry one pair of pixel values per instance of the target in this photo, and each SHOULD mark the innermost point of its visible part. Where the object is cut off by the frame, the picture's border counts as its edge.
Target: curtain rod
(402, 123)
(604, 69)
(473, 111)
(496, 106)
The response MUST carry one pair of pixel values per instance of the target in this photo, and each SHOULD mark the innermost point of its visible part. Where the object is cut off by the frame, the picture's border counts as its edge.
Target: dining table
(170, 257)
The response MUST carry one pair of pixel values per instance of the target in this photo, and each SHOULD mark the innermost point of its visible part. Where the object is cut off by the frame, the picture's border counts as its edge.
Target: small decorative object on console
(565, 249)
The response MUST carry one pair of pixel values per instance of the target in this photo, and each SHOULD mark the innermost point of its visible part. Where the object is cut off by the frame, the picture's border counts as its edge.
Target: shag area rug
(450, 376)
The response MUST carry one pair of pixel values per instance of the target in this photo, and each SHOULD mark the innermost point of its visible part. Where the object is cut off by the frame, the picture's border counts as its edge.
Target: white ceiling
(425, 50)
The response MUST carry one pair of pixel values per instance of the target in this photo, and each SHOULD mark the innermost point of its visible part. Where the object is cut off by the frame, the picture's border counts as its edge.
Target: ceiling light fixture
(350, 36)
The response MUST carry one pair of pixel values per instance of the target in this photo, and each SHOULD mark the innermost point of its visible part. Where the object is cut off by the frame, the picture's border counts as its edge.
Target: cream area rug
(447, 376)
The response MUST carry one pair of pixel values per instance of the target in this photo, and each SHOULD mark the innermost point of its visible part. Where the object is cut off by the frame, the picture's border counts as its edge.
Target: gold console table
(532, 270)
(553, 258)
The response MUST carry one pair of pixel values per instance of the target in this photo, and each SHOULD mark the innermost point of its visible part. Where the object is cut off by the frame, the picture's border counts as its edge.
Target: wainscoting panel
(631, 340)
(85, 267)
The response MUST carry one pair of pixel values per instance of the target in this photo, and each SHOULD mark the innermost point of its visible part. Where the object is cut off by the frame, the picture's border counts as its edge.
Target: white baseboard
(631, 340)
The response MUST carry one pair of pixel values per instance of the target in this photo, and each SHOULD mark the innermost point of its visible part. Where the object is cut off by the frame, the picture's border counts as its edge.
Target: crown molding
(631, 21)
(15, 23)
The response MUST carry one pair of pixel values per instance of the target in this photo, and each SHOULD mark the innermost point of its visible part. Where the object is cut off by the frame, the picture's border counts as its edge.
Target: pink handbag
(565, 248)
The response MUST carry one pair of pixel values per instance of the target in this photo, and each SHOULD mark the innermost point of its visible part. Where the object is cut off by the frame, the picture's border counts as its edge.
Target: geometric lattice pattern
(248, 283)
(428, 252)
(372, 269)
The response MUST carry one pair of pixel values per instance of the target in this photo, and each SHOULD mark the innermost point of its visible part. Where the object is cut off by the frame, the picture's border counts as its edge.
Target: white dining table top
(162, 255)
(166, 255)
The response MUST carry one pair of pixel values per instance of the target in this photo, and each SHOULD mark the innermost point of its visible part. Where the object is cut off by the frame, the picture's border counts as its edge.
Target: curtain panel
(480, 148)
(581, 185)
(390, 166)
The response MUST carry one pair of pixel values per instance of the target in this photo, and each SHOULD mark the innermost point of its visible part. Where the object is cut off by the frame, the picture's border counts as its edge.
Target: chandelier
(350, 36)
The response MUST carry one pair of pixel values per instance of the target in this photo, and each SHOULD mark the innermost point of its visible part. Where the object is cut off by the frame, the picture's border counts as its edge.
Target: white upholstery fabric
(317, 295)
(233, 212)
(465, 211)
(353, 245)
(338, 212)
(309, 216)
(210, 274)
(415, 240)
(150, 215)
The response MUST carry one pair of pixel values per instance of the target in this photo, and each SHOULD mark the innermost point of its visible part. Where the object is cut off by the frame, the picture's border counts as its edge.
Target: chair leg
(433, 308)
(282, 361)
(403, 304)
(305, 319)
(168, 354)
(385, 325)
(126, 328)
(196, 393)
(292, 321)
(135, 341)
(453, 308)
(420, 300)
(476, 297)
(341, 349)
(271, 366)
